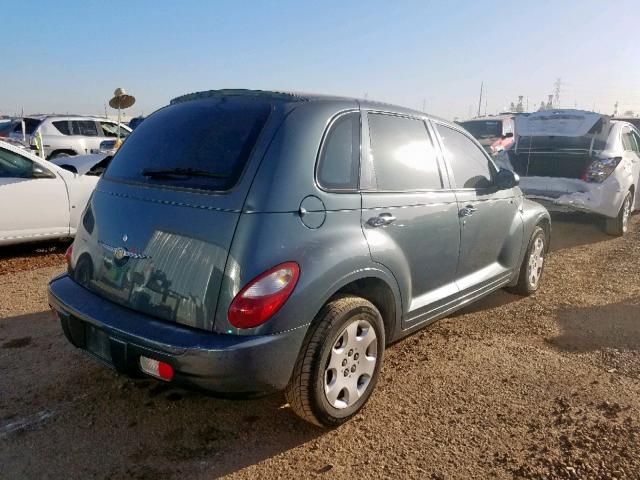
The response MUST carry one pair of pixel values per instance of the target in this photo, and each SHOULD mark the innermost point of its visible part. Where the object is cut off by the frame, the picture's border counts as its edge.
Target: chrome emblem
(125, 238)
(120, 253)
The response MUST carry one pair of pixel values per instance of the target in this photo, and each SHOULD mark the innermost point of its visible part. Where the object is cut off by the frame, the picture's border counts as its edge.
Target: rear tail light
(156, 368)
(600, 169)
(67, 255)
(263, 296)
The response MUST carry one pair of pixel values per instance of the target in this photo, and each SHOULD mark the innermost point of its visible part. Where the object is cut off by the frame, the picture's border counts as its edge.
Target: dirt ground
(539, 387)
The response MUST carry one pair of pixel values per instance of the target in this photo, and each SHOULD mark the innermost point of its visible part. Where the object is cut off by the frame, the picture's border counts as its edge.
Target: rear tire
(619, 225)
(339, 363)
(532, 264)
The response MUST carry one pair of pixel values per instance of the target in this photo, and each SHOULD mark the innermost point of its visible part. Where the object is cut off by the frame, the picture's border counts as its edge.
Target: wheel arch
(378, 287)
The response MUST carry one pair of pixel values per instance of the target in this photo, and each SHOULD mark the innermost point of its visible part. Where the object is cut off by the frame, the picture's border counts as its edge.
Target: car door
(409, 213)
(85, 135)
(490, 224)
(33, 198)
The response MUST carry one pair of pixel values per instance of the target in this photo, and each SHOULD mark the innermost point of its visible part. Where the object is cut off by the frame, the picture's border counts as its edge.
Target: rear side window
(471, 168)
(340, 155)
(63, 127)
(198, 144)
(629, 142)
(86, 128)
(403, 154)
(13, 165)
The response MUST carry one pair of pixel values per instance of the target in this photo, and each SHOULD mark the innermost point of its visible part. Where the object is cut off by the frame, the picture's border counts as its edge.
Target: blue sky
(69, 56)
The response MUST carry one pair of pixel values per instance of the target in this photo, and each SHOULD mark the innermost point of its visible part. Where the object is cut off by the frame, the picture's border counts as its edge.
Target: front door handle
(467, 211)
(381, 220)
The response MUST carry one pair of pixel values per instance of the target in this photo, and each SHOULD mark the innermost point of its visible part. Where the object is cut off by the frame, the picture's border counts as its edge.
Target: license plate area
(97, 343)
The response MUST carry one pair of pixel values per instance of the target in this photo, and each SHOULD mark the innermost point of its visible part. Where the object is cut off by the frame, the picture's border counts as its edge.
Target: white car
(577, 160)
(41, 200)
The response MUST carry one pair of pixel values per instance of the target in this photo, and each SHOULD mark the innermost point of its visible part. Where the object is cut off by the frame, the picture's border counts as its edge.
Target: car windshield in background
(483, 128)
(200, 144)
(30, 125)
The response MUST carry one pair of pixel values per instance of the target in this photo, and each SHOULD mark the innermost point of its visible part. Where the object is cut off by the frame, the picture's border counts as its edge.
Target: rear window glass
(30, 125)
(200, 144)
(481, 129)
(340, 157)
(86, 128)
(63, 127)
(403, 155)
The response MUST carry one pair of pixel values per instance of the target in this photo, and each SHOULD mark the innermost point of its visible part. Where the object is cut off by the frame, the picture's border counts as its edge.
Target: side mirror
(506, 179)
(508, 135)
(40, 172)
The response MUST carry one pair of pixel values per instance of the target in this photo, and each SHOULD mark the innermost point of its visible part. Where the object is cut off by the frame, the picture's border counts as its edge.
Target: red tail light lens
(263, 296)
(68, 253)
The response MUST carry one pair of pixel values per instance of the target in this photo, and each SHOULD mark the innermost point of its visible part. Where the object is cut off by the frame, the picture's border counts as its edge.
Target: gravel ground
(539, 387)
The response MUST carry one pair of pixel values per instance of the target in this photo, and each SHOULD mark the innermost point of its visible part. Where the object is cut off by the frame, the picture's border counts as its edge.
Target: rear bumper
(567, 194)
(222, 363)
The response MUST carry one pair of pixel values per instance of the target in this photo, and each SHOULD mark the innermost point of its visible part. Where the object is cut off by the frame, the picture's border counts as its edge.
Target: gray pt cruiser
(248, 242)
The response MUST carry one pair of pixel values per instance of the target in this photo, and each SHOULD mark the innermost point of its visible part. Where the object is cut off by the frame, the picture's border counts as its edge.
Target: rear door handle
(381, 220)
(467, 211)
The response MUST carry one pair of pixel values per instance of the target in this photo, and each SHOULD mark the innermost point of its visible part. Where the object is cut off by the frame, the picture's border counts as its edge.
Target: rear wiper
(180, 172)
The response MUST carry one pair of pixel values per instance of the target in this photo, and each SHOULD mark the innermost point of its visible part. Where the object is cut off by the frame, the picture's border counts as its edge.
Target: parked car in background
(495, 133)
(635, 121)
(134, 122)
(68, 135)
(39, 200)
(577, 160)
(6, 126)
(188, 268)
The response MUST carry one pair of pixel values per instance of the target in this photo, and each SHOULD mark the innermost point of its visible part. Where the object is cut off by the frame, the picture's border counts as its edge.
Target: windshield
(200, 144)
(483, 128)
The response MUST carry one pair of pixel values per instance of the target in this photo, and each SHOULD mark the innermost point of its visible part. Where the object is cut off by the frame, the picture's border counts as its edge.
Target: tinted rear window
(215, 136)
(30, 125)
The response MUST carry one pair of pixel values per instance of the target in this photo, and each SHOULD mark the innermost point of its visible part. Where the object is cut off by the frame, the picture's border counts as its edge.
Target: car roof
(48, 116)
(298, 97)
(488, 117)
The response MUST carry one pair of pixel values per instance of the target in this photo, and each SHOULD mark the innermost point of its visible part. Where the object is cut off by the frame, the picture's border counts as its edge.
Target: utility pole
(557, 85)
(480, 101)
(424, 105)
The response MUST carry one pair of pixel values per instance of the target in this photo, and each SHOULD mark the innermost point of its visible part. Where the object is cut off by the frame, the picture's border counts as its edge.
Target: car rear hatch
(558, 143)
(157, 233)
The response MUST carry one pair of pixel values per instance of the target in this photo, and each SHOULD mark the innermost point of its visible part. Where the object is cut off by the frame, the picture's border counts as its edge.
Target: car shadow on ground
(613, 326)
(107, 425)
(570, 230)
(37, 249)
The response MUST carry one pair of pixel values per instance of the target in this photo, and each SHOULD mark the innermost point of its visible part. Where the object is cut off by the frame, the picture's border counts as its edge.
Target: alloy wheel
(536, 262)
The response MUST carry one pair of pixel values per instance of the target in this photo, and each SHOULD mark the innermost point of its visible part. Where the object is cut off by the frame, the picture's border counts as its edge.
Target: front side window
(111, 130)
(471, 167)
(86, 128)
(403, 155)
(13, 165)
(340, 155)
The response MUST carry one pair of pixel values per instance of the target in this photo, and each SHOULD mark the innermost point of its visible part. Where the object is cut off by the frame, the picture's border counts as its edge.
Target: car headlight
(600, 169)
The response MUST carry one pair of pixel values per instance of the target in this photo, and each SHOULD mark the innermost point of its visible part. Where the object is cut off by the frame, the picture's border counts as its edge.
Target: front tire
(338, 366)
(619, 225)
(532, 264)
